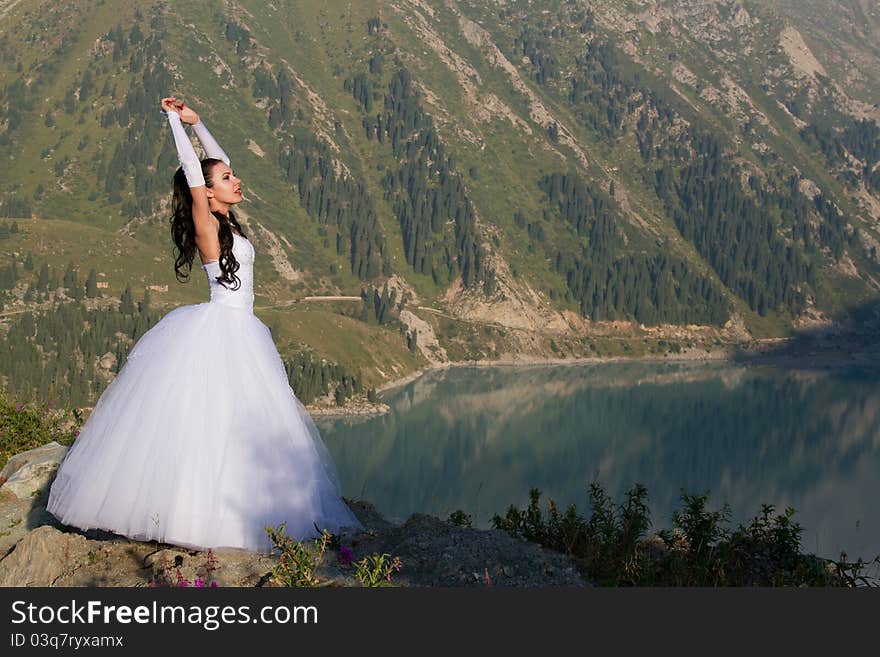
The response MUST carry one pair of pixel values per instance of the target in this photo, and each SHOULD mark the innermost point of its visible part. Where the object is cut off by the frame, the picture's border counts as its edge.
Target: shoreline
(822, 359)
(525, 361)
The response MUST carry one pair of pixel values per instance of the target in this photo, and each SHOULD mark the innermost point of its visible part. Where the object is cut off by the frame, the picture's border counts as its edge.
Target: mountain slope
(561, 170)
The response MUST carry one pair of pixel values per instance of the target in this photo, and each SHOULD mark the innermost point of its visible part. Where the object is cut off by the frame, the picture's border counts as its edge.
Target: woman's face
(225, 188)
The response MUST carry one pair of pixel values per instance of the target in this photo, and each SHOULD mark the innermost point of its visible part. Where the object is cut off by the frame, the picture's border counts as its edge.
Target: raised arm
(212, 148)
(192, 168)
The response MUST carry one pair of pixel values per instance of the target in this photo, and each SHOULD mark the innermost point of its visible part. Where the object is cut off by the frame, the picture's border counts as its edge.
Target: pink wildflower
(345, 556)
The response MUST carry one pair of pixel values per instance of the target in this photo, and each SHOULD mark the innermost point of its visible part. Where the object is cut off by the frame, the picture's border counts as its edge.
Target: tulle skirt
(200, 442)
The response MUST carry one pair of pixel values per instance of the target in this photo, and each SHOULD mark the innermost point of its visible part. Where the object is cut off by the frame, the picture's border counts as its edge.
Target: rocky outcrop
(29, 472)
(35, 550)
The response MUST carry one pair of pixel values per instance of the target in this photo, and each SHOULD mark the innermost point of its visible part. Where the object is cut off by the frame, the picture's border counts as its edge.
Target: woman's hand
(168, 105)
(175, 105)
(186, 114)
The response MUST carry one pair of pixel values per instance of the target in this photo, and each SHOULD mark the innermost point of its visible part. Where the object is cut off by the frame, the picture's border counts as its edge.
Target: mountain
(472, 179)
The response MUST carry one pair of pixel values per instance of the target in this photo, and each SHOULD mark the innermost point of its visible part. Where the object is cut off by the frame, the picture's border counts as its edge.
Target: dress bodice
(243, 297)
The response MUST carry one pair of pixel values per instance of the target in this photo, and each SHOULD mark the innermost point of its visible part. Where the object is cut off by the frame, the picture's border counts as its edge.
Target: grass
(371, 349)
(31, 424)
(122, 259)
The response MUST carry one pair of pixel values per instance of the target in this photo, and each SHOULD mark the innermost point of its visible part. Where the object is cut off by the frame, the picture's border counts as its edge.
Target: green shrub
(460, 518)
(612, 547)
(26, 425)
(297, 565)
(375, 570)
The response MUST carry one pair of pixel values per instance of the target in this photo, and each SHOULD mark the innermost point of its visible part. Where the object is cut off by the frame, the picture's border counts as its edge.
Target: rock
(18, 517)
(108, 361)
(28, 473)
(437, 553)
(42, 557)
(233, 567)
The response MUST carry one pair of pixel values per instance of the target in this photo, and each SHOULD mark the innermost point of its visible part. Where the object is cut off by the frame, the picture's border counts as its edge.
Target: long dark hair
(183, 230)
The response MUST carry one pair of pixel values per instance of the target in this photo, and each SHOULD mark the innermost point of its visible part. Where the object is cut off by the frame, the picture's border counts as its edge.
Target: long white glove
(192, 165)
(212, 148)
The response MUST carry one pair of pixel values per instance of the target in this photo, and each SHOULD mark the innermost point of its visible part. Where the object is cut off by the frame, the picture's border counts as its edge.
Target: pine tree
(126, 305)
(144, 304)
(29, 262)
(69, 276)
(92, 284)
(120, 357)
(43, 277)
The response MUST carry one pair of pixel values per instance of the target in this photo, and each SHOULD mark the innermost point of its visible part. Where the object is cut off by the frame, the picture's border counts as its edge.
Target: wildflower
(198, 583)
(213, 585)
(345, 556)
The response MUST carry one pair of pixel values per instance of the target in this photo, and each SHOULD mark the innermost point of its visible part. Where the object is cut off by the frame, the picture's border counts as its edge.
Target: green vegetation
(30, 424)
(297, 563)
(378, 308)
(375, 570)
(613, 548)
(860, 139)
(312, 377)
(736, 229)
(425, 191)
(607, 285)
(605, 94)
(55, 354)
(741, 232)
(337, 201)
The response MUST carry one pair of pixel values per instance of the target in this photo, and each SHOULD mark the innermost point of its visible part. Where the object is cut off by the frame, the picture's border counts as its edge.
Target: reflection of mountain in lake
(479, 438)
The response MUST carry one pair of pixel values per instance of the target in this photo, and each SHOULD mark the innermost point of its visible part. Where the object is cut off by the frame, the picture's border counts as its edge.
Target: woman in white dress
(199, 441)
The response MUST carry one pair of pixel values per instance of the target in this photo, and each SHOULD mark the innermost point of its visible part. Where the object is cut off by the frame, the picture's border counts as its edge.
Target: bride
(199, 441)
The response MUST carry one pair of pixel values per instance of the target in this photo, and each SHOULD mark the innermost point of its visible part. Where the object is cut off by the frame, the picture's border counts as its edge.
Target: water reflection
(478, 439)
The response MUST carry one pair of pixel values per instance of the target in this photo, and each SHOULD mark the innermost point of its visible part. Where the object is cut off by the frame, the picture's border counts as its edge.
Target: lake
(478, 438)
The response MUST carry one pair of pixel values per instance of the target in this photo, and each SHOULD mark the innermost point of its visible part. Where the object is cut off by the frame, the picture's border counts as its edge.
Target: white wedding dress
(199, 441)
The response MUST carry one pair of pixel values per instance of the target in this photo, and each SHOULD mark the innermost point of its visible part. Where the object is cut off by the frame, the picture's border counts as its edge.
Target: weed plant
(297, 564)
(26, 425)
(375, 570)
(613, 548)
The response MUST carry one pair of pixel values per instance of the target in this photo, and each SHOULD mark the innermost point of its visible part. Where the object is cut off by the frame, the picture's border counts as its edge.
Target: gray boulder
(28, 473)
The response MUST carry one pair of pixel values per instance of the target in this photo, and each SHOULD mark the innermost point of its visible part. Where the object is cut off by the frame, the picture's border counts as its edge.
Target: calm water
(478, 439)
